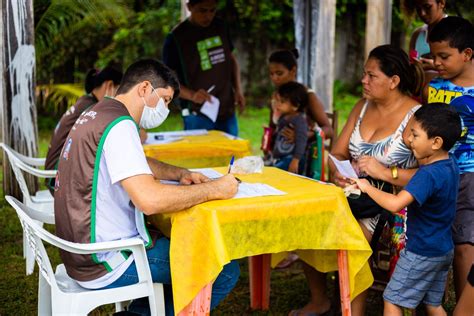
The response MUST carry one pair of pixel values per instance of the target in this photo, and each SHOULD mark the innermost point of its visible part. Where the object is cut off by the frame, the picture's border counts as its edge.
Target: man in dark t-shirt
(199, 49)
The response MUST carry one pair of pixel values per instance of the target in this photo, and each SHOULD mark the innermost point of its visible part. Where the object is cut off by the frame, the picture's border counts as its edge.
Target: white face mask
(154, 117)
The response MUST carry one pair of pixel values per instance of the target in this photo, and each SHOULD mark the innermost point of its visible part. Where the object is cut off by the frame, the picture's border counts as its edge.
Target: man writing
(105, 184)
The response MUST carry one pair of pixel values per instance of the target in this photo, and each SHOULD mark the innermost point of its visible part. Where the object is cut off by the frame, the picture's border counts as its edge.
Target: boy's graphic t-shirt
(463, 150)
(434, 188)
(444, 91)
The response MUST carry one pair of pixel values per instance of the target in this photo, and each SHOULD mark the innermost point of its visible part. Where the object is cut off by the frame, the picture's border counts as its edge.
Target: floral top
(390, 151)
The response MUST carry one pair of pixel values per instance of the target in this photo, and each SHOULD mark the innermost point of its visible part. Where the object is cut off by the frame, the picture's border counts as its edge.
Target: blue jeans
(284, 163)
(199, 121)
(159, 261)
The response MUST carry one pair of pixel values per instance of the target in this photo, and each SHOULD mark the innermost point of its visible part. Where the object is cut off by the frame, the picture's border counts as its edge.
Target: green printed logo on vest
(209, 58)
(440, 95)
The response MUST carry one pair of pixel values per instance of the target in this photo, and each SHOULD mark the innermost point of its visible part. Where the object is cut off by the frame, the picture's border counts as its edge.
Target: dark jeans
(284, 163)
(198, 121)
(159, 261)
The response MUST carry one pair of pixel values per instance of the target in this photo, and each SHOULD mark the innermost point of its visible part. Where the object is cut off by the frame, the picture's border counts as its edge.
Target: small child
(421, 272)
(291, 101)
(452, 44)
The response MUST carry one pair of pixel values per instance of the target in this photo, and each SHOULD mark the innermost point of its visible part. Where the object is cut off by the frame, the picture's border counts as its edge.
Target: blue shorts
(418, 279)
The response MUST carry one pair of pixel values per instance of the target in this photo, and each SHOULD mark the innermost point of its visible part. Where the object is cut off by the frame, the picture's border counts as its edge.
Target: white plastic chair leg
(44, 296)
(159, 298)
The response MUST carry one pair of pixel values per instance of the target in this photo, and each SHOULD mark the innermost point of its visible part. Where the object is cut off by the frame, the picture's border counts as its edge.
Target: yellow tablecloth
(211, 150)
(312, 216)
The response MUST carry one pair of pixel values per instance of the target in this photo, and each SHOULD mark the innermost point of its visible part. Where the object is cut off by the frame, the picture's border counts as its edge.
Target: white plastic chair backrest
(34, 235)
(14, 163)
(18, 165)
(32, 161)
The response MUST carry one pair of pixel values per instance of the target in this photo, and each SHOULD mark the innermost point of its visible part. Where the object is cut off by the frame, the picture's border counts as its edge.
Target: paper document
(344, 167)
(208, 172)
(211, 109)
(248, 190)
(169, 137)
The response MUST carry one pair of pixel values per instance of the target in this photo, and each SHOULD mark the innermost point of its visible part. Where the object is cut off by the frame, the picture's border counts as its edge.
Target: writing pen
(230, 167)
(211, 88)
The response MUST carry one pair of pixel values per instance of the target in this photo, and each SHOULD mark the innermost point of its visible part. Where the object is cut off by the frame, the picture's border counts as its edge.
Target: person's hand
(362, 184)
(193, 178)
(200, 96)
(340, 180)
(240, 101)
(225, 187)
(289, 133)
(427, 63)
(368, 165)
(293, 167)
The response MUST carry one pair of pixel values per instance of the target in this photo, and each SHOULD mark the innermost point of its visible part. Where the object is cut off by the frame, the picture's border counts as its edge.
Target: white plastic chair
(42, 200)
(58, 294)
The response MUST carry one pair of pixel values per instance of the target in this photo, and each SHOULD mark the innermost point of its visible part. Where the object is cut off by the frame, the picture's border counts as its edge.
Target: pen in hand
(211, 88)
(230, 167)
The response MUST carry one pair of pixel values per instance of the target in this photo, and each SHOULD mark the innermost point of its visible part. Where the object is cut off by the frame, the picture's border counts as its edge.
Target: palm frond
(67, 16)
(58, 97)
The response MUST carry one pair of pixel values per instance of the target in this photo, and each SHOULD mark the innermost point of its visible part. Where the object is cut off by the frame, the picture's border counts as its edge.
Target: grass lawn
(18, 293)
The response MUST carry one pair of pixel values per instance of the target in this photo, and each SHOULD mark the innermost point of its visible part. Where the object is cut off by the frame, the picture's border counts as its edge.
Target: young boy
(421, 272)
(452, 44)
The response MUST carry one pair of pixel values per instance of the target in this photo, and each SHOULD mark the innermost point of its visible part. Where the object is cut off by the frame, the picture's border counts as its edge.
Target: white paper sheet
(344, 167)
(169, 137)
(211, 109)
(248, 190)
(208, 172)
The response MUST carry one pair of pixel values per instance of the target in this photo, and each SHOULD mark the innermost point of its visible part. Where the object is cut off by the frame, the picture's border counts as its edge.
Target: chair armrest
(36, 172)
(135, 245)
(35, 162)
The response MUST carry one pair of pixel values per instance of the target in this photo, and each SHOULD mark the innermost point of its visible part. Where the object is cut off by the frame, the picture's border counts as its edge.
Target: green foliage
(69, 32)
(274, 23)
(141, 36)
(57, 98)
(261, 26)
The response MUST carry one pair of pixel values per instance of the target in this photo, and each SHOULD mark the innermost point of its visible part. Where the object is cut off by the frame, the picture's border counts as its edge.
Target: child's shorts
(463, 226)
(418, 279)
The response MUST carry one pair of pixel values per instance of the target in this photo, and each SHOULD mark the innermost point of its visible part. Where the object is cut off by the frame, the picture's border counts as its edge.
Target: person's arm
(371, 167)
(164, 171)
(390, 202)
(301, 138)
(239, 97)
(426, 63)
(197, 96)
(152, 197)
(340, 149)
(318, 115)
(171, 59)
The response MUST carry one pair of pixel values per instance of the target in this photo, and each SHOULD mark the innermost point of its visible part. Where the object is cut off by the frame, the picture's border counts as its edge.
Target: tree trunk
(17, 93)
(315, 25)
(378, 25)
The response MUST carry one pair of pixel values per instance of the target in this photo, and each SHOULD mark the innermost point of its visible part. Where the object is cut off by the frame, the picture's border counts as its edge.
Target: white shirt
(122, 157)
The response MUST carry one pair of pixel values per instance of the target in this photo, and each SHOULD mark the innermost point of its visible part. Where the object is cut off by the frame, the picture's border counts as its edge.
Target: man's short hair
(442, 120)
(458, 32)
(159, 75)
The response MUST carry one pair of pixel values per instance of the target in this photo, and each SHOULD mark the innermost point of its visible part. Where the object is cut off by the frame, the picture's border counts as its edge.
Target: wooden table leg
(201, 304)
(259, 279)
(342, 263)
